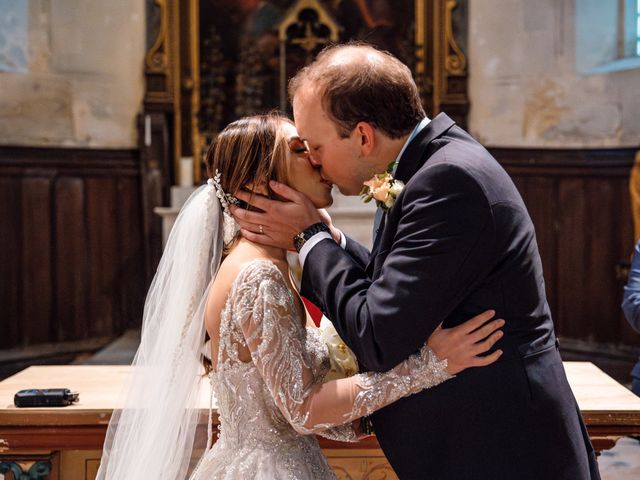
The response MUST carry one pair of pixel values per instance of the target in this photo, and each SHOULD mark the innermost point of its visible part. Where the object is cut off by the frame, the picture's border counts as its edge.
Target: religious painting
(249, 49)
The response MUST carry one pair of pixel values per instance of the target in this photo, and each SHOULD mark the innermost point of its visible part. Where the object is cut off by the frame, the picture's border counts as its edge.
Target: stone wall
(527, 87)
(83, 84)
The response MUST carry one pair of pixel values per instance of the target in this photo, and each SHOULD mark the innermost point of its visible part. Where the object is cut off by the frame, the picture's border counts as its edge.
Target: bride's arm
(274, 335)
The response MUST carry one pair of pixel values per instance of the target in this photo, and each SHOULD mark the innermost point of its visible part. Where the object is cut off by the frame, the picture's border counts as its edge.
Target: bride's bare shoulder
(237, 265)
(233, 266)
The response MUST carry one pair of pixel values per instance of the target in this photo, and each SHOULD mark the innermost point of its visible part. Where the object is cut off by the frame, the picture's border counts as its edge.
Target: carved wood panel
(580, 206)
(72, 261)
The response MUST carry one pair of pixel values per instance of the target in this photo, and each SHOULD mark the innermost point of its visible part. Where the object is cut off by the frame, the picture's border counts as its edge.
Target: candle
(186, 172)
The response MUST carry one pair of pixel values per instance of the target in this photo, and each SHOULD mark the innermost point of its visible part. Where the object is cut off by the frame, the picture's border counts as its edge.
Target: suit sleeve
(358, 252)
(441, 248)
(631, 298)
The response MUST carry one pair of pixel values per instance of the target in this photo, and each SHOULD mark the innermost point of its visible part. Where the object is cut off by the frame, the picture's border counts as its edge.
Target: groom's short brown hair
(373, 87)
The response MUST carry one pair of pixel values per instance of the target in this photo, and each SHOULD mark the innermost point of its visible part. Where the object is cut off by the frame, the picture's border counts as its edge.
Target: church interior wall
(75, 78)
(533, 81)
(72, 86)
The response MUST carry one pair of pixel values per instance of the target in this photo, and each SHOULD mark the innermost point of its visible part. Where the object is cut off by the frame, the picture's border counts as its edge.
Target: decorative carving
(213, 68)
(309, 27)
(252, 79)
(441, 67)
(36, 470)
(211, 62)
(380, 472)
(363, 465)
(456, 62)
(341, 473)
(156, 58)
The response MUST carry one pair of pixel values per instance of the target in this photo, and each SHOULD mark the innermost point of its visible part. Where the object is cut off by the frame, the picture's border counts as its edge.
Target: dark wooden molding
(48, 161)
(565, 162)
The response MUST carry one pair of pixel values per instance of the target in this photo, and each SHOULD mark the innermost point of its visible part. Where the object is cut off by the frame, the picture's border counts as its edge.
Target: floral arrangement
(343, 361)
(382, 188)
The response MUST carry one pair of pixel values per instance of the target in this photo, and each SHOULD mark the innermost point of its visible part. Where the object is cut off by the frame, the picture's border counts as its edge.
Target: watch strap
(300, 239)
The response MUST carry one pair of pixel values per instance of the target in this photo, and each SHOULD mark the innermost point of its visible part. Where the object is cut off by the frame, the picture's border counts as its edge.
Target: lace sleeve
(319, 353)
(275, 336)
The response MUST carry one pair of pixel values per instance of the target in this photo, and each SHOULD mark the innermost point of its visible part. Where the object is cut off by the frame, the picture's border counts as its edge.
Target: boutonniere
(383, 188)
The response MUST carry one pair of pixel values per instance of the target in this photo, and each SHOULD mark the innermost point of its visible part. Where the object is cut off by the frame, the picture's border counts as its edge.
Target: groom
(457, 241)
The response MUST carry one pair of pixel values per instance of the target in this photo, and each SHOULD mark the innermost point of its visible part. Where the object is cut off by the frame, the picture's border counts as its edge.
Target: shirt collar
(418, 128)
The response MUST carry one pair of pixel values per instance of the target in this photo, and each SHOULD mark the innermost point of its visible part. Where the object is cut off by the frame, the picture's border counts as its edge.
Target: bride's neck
(261, 250)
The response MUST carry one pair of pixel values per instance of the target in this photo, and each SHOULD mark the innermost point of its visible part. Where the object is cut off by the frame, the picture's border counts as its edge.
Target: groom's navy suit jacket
(457, 242)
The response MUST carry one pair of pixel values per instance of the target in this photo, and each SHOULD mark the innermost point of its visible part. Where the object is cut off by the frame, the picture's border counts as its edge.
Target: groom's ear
(366, 137)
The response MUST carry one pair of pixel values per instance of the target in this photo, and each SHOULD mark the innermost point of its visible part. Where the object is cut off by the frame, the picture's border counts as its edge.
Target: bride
(268, 361)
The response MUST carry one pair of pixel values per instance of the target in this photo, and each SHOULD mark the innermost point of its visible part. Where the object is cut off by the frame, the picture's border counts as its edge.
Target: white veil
(152, 435)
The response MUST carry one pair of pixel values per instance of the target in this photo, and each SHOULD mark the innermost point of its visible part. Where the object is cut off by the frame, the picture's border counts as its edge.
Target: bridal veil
(151, 434)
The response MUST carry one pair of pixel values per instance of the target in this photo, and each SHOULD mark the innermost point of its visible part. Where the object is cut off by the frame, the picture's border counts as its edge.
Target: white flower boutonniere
(383, 188)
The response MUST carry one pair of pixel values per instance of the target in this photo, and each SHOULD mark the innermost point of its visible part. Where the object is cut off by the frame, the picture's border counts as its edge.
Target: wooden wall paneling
(542, 193)
(36, 258)
(539, 195)
(625, 244)
(572, 318)
(72, 259)
(579, 203)
(10, 271)
(600, 226)
(103, 253)
(72, 243)
(131, 276)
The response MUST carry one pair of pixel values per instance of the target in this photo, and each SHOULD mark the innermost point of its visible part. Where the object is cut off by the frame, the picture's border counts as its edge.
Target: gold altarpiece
(212, 61)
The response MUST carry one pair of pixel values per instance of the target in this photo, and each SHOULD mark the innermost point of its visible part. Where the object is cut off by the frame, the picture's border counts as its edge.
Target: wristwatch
(300, 239)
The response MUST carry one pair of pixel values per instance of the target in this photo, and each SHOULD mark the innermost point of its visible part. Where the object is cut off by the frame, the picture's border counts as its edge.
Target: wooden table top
(602, 400)
(100, 388)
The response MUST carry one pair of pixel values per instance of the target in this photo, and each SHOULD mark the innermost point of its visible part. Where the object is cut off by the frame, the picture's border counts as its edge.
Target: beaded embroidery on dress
(270, 408)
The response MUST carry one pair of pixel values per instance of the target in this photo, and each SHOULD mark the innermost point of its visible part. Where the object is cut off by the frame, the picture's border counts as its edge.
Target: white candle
(186, 172)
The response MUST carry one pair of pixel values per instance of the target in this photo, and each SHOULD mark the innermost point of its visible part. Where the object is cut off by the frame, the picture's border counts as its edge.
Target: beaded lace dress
(271, 407)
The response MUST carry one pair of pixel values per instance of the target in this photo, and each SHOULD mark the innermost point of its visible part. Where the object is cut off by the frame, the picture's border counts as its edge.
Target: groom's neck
(389, 149)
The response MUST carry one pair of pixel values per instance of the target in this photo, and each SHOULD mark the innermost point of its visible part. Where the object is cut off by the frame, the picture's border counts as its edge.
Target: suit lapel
(411, 161)
(413, 157)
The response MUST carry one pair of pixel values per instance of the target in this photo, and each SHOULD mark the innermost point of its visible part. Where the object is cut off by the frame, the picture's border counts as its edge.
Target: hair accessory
(226, 199)
(230, 226)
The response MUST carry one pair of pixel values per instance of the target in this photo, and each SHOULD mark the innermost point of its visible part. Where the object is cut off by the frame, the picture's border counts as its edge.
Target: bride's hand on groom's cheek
(463, 346)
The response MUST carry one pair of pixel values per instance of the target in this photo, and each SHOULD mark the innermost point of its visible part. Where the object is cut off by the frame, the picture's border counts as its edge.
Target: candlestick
(186, 172)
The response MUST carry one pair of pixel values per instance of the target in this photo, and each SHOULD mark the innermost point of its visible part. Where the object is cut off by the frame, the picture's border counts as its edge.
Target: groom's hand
(278, 222)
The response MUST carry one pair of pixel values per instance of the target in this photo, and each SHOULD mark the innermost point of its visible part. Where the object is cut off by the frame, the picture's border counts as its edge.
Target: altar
(65, 443)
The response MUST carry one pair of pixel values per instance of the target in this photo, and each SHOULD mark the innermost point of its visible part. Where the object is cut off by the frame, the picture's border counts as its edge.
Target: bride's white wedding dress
(271, 408)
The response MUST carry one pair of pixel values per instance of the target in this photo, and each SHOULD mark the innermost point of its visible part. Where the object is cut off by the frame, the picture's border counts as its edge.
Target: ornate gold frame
(440, 62)
(173, 74)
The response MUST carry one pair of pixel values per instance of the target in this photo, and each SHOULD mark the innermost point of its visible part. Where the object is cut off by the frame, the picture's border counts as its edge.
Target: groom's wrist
(315, 238)
(308, 233)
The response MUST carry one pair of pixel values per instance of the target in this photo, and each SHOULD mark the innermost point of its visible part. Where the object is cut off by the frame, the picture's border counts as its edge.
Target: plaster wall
(528, 79)
(83, 84)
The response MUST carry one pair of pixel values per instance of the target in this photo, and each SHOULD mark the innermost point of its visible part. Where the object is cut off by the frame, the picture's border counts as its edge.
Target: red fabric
(314, 311)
